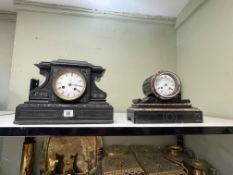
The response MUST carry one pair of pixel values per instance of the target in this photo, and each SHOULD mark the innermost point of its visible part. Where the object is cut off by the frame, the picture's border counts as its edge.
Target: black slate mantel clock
(163, 102)
(68, 95)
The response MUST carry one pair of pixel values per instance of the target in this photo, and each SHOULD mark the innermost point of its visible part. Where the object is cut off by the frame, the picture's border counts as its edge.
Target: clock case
(44, 107)
(153, 109)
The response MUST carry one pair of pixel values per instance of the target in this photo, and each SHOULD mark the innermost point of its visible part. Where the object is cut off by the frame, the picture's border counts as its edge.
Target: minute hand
(76, 85)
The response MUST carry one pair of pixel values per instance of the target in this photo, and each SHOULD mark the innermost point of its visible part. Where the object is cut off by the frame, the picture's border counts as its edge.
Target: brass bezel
(177, 85)
(61, 72)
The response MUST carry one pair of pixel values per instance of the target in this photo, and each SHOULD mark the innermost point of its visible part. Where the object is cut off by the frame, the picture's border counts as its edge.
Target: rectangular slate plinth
(36, 113)
(169, 116)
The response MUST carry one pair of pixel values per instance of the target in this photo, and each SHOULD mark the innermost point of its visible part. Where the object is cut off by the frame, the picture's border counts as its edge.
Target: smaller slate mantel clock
(68, 95)
(163, 102)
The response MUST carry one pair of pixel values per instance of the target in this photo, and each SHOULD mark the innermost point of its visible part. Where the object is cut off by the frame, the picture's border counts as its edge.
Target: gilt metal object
(152, 160)
(199, 167)
(157, 165)
(121, 165)
(27, 158)
(174, 153)
(178, 154)
(71, 156)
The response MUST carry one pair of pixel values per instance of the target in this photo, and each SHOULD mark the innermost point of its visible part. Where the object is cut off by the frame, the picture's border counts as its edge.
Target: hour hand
(170, 89)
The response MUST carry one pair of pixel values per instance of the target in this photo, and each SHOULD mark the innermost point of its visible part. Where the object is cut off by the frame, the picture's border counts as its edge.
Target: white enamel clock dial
(69, 84)
(166, 85)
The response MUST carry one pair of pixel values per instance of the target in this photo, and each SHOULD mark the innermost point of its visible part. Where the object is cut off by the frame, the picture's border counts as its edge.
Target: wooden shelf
(120, 127)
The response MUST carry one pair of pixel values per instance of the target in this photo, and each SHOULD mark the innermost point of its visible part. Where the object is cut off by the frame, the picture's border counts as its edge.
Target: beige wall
(205, 58)
(11, 155)
(205, 65)
(7, 30)
(130, 51)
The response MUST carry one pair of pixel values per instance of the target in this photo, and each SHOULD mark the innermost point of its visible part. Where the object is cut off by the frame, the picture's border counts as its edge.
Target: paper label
(68, 113)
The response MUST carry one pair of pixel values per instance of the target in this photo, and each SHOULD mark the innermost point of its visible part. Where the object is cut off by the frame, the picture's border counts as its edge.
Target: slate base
(162, 115)
(44, 113)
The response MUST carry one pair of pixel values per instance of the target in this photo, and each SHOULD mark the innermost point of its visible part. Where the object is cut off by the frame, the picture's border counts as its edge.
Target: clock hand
(76, 85)
(170, 88)
(71, 84)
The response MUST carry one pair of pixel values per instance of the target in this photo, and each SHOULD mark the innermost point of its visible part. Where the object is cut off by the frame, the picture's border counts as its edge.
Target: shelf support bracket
(180, 140)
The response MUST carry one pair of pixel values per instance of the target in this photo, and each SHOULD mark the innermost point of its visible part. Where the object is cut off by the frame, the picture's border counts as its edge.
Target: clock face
(69, 84)
(166, 85)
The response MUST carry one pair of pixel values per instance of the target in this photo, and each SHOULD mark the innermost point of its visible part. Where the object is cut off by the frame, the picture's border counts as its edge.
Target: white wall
(130, 51)
(7, 30)
(205, 65)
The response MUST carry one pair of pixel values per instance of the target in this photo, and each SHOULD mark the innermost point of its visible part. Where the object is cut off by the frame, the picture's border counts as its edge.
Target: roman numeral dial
(166, 85)
(69, 84)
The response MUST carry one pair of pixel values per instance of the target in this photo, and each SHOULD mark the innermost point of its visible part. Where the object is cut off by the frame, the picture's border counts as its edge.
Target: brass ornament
(121, 165)
(141, 159)
(199, 167)
(175, 150)
(152, 160)
(71, 155)
(27, 158)
(156, 165)
(175, 154)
